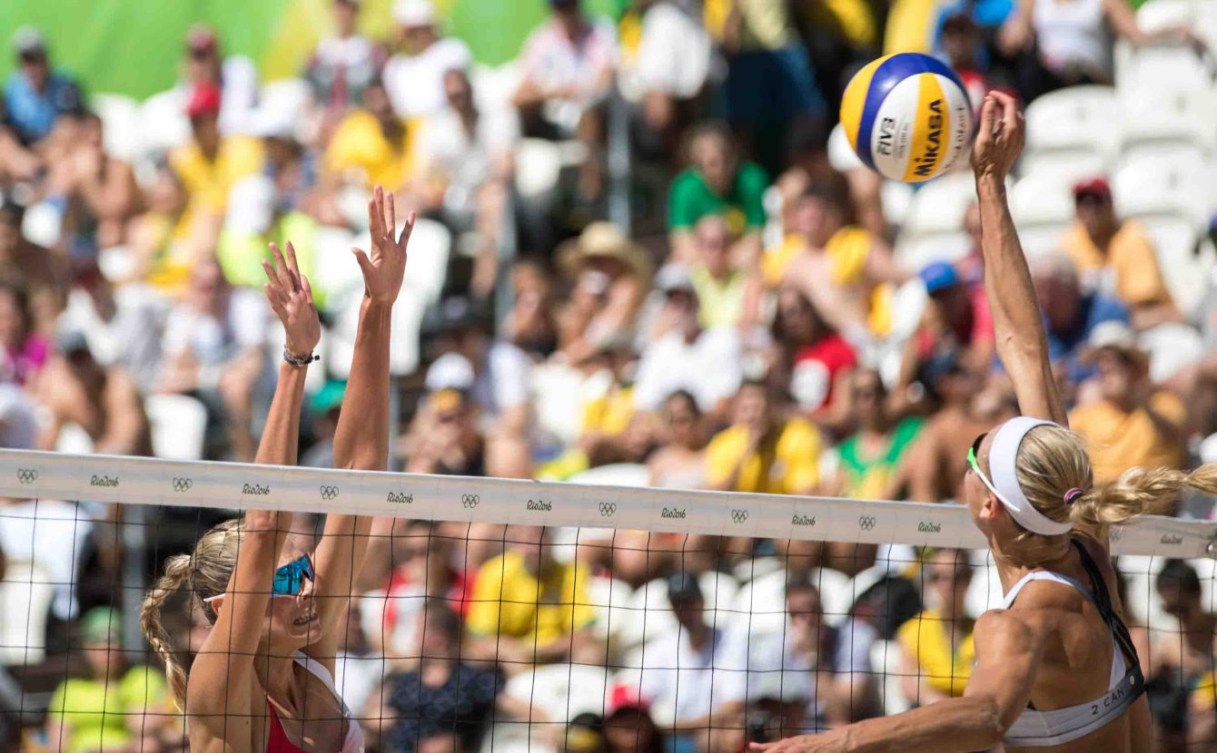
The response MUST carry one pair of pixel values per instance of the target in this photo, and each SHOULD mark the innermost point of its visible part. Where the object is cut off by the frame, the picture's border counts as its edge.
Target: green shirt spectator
(691, 198)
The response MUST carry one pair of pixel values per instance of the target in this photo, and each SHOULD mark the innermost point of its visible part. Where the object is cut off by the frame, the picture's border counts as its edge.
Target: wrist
(989, 181)
(299, 358)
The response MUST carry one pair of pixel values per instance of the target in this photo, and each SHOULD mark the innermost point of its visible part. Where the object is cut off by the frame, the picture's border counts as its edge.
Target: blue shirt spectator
(35, 95)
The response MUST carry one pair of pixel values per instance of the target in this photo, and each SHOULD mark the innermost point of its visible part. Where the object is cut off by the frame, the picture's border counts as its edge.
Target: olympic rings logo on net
(329, 492)
(608, 509)
(181, 484)
(866, 523)
(27, 475)
(739, 516)
(470, 501)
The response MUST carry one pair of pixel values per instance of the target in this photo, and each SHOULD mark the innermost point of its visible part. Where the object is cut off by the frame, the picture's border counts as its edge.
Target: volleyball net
(501, 615)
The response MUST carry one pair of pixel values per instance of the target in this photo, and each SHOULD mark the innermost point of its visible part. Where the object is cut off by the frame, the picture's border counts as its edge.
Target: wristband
(299, 361)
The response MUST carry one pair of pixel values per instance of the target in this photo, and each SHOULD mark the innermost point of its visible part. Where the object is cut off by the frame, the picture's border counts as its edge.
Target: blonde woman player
(1055, 668)
(263, 680)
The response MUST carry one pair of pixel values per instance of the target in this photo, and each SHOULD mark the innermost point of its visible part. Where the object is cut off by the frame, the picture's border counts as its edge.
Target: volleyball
(907, 116)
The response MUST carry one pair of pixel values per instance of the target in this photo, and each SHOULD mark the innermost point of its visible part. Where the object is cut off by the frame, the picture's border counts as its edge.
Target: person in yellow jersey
(114, 707)
(211, 164)
(858, 267)
(761, 452)
(527, 607)
(728, 295)
(371, 146)
(936, 646)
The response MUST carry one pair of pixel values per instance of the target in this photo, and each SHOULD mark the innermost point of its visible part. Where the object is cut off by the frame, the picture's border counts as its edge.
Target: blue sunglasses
(289, 579)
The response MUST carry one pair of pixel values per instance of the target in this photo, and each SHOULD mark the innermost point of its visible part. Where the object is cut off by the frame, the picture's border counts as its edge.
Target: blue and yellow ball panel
(907, 116)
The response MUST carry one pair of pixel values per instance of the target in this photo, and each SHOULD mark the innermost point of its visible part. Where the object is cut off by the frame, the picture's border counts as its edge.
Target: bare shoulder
(1003, 629)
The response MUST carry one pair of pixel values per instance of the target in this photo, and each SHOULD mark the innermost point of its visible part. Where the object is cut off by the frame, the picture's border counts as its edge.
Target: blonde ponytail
(1140, 491)
(177, 572)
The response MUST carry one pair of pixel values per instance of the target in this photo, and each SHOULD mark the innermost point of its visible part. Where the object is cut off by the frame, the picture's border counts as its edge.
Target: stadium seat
(493, 87)
(1141, 68)
(163, 122)
(42, 224)
(179, 426)
(610, 597)
(1185, 264)
(120, 124)
(939, 205)
(632, 475)
(404, 349)
(1164, 183)
(1066, 166)
(885, 658)
(914, 252)
(761, 604)
(1165, 114)
(559, 415)
(647, 615)
(1072, 119)
(26, 593)
(337, 272)
(562, 691)
(282, 101)
(539, 164)
(1041, 200)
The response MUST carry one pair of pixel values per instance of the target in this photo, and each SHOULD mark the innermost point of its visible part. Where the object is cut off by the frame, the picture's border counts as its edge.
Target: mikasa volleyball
(907, 116)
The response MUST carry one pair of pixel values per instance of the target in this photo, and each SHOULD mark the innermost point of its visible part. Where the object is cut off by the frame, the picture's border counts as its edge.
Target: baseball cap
(457, 313)
(201, 38)
(938, 276)
(625, 696)
(29, 41)
(1113, 335)
(414, 12)
(450, 371)
(1096, 186)
(683, 587)
(674, 277)
(204, 100)
(101, 625)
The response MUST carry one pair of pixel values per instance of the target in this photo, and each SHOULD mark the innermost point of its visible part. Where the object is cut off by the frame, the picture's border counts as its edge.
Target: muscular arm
(1021, 341)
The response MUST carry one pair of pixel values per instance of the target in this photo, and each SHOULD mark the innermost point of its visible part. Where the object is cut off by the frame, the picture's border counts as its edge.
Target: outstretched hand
(291, 297)
(999, 139)
(384, 269)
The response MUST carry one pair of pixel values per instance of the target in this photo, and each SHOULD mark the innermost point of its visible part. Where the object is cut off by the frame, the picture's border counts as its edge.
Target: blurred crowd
(644, 258)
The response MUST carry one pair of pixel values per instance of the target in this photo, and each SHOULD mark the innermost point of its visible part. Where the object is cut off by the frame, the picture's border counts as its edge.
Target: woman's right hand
(385, 269)
(291, 297)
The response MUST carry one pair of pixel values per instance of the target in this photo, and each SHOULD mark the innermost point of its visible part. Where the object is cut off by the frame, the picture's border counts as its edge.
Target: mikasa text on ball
(907, 116)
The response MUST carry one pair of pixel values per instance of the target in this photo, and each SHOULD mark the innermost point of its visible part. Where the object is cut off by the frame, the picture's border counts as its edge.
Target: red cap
(1097, 186)
(623, 696)
(201, 38)
(204, 100)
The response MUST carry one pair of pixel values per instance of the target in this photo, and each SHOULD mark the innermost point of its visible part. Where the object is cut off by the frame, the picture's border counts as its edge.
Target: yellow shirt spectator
(508, 600)
(95, 715)
(360, 145)
(910, 26)
(1130, 258)
(720, 303)
(610, 414)
(786, 464)
(208, 182)
(927, 639)
(1119, 440)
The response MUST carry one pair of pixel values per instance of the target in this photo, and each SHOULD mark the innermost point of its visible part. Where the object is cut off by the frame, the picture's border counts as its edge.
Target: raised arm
(361, 441)
(219, 676)
(1022, 344)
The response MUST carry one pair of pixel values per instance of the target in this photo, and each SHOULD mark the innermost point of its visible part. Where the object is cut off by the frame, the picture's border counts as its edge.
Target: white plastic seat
(632, 475)
(885, 659)
(538, 165)
(407, 319)
(26, 593)
(914, 252)
(163, 122)
(761, 604)
(42, 224)
(610, 597)
(1077, 117)
(1166, 114)
(494, 87)
(337, 272)
(1039, 199)
(1141, 68)
(179, 426)
(1185, 270)
(562, 691)
(1164, 183)
(938, 206)
(558, 413)
(1065, 166)
(120, 124)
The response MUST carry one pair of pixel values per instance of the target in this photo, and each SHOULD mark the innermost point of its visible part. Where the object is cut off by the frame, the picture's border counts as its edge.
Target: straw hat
(602, 240)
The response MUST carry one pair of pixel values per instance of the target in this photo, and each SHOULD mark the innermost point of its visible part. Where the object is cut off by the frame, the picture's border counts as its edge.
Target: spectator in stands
(104, 402)
(727, 296)
(936, 645)
(358, 671)
(680, 461)
(810, 360)
(464, 172)
(844, 270)
(770, 83)
(1179, 662)
(1124, 420)
(716, 182)
(1117, 257)
(18, 422)
(678, 666)
(965, 406)
(961, 43)
(584, 734)
(444, 703)
(372, 146)
(686, 356)
(211, 164)
(1202, 724)
(668, 63)
(761, 452)
(444, 437)
(955, 318)
(235, 76)
(36, 94)
(1071, 43)
(343, 65)
(532, 324)
(628, 726)
(609, 275)
(526, 607)
(96, 192)
(162, 241)
(1070, 315)
(213, 344)
(43, 273)
(115, 706)
(25, 351)
(414, 76)
(567, 67)
(325, 406)
(823, 671)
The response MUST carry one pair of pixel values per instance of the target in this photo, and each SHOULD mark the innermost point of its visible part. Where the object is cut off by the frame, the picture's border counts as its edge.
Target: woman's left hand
(291, 297)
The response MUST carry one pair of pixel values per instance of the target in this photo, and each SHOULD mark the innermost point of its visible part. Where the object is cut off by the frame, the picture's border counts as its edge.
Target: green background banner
(134, 47)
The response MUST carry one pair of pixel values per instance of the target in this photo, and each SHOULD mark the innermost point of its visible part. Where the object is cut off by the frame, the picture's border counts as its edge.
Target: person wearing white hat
(414, 77)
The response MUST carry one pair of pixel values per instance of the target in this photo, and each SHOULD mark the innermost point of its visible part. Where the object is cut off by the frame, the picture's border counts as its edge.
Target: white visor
(1003, 466)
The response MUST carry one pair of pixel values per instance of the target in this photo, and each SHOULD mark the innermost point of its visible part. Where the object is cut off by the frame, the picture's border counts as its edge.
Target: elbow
(991, 723)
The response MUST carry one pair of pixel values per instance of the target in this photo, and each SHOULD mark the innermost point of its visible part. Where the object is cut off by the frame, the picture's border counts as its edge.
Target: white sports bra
(354, 741)
(1042, 729)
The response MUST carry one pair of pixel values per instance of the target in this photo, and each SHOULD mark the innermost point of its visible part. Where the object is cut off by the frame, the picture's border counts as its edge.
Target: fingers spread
(293, 266)
(376, 216)
(364, 263)
(390, 218)
(406, 231)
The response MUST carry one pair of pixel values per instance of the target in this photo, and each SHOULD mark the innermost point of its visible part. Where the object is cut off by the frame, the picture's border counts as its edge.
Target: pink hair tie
(1072, 495)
